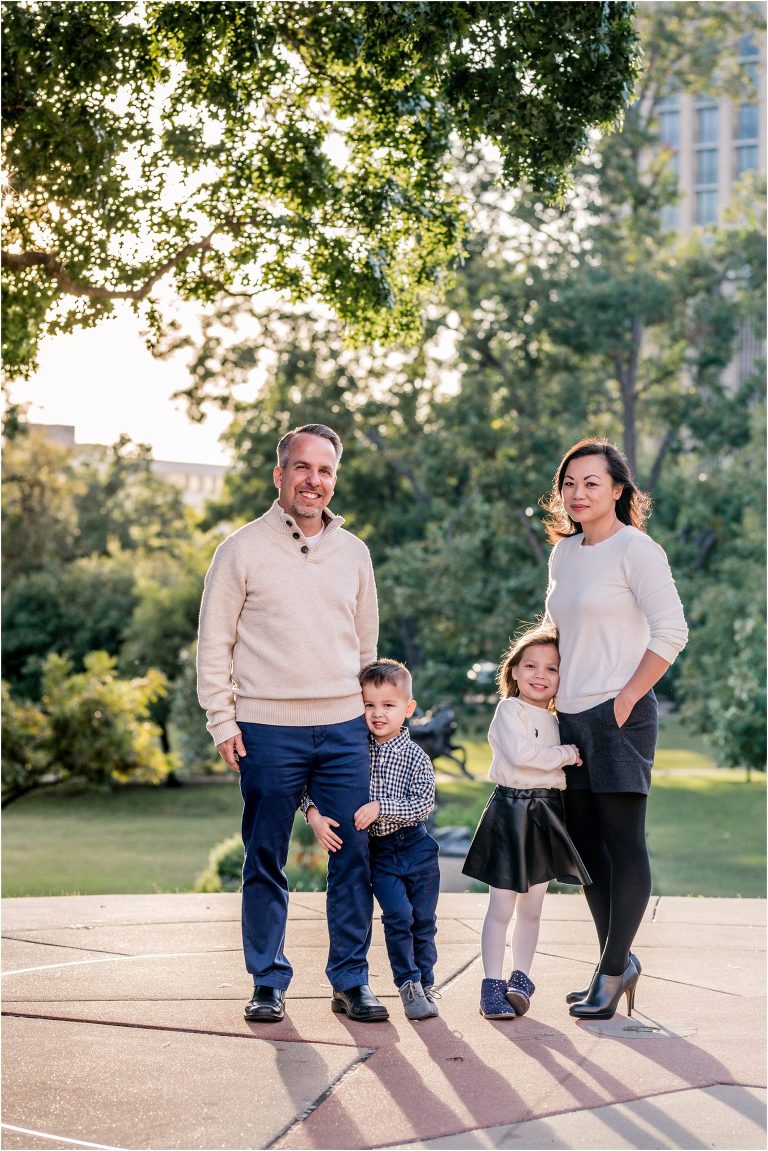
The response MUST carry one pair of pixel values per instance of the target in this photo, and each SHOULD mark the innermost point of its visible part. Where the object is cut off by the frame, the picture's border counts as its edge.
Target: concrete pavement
(123, 1028)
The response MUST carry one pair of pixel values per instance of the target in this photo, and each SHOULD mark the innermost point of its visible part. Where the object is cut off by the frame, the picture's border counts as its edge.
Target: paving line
(178, 1030)
(60, 1138)
(108, 959)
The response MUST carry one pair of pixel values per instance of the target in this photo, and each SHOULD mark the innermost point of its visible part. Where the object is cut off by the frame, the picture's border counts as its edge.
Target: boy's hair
(540, 633)
(383, 671)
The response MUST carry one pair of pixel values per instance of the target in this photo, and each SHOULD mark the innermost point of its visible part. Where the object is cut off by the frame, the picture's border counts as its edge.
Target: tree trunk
(626, 373)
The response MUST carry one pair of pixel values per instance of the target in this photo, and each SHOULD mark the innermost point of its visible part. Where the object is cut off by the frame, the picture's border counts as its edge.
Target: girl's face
(537, 675)
(589, 492)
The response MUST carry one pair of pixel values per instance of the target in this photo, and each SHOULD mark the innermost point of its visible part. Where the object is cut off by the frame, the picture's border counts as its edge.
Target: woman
(613, 600)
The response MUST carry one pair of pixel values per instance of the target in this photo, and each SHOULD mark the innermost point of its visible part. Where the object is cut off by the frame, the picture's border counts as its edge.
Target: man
(289, 617)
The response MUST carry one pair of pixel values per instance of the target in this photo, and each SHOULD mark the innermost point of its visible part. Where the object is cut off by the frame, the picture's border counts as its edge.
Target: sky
(104, 382)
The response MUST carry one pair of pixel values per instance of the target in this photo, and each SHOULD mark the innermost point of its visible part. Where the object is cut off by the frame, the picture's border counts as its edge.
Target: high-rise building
(714, 143)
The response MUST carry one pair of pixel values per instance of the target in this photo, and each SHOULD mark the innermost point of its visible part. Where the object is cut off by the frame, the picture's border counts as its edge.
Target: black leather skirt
(521, 840)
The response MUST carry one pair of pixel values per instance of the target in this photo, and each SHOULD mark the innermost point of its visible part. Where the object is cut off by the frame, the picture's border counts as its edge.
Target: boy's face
(386, 709)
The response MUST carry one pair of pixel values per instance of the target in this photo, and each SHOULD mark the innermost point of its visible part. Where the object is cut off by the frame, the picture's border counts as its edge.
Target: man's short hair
(322, 430)
(388, 671)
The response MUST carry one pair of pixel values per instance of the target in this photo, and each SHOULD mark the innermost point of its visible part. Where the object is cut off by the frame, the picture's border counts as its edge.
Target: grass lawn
(706, 829)
(136, 839)
(706, 835)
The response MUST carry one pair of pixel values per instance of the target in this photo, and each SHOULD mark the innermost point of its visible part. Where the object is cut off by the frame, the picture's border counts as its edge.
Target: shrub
(305, 870)
(89, 725)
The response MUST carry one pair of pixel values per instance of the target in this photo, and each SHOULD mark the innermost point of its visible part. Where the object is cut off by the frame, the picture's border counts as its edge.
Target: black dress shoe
(360, 1004)
(267, 1005)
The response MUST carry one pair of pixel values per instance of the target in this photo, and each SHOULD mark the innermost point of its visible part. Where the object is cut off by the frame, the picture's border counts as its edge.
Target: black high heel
(604, 994)
(577, 996)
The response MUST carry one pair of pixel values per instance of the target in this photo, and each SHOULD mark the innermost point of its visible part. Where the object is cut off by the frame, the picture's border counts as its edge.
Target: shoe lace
(433, 993)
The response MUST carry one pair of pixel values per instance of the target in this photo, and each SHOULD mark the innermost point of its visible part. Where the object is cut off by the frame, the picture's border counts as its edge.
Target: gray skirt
(615, 758)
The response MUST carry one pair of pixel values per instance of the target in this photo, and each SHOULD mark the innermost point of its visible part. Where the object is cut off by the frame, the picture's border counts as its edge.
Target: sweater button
(305, 549)
(290, 523)
(297, 535)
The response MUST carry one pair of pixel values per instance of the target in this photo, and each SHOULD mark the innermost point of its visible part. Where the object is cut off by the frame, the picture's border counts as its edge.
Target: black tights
(608, 830)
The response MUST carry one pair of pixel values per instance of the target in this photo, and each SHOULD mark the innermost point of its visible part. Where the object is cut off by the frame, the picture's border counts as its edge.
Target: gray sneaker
(432, 994)
(415, 1002)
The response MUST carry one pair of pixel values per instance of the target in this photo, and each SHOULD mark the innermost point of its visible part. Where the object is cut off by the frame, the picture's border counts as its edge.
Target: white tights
(502, 905)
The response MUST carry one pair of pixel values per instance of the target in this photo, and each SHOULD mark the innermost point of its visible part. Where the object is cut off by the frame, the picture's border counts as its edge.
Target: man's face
(306, 483)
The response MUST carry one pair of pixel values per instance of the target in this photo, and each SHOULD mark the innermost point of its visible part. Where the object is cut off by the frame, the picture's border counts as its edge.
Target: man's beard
(305, 513)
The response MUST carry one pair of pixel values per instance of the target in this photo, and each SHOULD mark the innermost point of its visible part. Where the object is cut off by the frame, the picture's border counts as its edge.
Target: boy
(404, 870)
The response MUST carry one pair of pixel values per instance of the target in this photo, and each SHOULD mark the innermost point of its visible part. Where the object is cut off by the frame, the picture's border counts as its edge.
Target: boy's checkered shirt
(403, 781)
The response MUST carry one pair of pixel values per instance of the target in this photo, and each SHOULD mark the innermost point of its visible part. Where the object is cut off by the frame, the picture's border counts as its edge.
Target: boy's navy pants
(406, 882)
(333, 763)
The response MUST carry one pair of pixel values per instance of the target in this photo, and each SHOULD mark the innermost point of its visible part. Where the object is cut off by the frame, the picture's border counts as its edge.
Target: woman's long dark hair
(633, 506)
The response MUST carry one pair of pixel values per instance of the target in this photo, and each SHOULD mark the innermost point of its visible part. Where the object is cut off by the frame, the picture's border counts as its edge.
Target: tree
(76, 534)
(657, 318)
(72, 608)
(298, 147)
(189, 736)
(722, 682)
(39, 521)
(159, 633)
(123, 504)
(89, 726)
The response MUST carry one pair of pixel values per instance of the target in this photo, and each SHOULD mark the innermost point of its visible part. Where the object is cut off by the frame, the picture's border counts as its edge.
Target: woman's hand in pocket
(622, 708)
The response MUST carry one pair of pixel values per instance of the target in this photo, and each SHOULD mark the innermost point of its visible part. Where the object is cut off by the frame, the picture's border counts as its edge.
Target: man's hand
(230, 749)
(367, 814)
(321, 825)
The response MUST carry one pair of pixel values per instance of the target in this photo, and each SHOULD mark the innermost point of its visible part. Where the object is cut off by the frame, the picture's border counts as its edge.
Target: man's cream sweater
(285, 628)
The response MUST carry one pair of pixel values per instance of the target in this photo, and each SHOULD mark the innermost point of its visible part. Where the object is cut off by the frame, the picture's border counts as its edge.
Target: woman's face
(589, 493)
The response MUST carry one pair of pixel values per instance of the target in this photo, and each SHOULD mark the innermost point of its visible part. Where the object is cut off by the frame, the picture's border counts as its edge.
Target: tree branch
(664, 447)
(373, 437)
(20, 261)
(530, 535)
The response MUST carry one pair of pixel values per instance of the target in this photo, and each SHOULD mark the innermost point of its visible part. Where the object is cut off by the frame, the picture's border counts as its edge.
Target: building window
(669, 128)
(706, 161)
(747, 122)
(706, 166)
(746, 159)
(707, 124)
(706, 206)
(669, 141)
(748, 46)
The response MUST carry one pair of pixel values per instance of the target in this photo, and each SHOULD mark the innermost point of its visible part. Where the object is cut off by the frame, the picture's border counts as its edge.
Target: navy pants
(406, 882)
(333, 763)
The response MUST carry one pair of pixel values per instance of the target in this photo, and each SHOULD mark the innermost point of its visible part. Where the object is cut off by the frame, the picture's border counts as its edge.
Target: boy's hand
(321, 825)
(367, 814)
(578, 762)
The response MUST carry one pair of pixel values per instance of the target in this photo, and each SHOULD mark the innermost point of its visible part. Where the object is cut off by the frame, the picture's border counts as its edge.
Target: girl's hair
(541, 633)
(632, 507)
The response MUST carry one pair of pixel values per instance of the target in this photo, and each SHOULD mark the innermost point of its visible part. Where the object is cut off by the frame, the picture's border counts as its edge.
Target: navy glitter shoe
(519, 991)
(493, 1004)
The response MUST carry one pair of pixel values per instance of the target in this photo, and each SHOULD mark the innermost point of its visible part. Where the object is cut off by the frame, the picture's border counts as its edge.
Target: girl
(521, 842)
